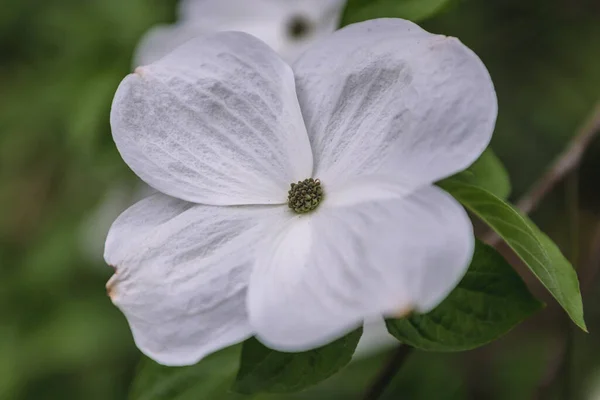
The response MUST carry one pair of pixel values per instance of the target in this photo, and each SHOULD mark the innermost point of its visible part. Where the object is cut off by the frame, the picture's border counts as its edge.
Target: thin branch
(565, 165)
(566, 162)
(387, 373)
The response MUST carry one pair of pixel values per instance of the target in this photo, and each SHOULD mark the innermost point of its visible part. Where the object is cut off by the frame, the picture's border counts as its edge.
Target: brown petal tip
(111, 287)
(403, 312)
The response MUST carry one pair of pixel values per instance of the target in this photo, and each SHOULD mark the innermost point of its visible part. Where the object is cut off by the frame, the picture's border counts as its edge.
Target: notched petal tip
(403, 312)
(111, 286)
(139, 71)
(219, 152)
(442, 40)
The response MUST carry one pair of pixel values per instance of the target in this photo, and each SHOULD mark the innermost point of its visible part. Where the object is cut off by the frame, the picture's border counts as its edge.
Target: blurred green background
(60, 63)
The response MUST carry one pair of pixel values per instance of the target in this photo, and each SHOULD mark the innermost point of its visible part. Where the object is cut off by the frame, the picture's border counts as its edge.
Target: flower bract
(222, 126)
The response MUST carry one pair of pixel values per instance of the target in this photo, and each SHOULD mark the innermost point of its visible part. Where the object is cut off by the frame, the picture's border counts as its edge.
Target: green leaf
(413, 10)
(266, 370)
(538, 251)
(210, 379)
(488, 173)
(488, 302)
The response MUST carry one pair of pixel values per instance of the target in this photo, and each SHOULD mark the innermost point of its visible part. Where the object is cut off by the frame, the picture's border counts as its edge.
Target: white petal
(214, 122)
(386, 97)
(269, 20)
(181, 272)
(324, 273)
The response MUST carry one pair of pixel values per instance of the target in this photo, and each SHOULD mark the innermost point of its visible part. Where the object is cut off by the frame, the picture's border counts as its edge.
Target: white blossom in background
(288, 26)
(116, 200)
(367, 119)
(375, 339)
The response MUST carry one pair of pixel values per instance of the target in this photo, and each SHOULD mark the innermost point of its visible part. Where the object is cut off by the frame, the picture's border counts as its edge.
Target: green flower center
(305, 195)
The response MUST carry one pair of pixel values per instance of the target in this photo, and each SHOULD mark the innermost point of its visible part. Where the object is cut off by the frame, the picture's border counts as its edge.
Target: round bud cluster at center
(305, 195)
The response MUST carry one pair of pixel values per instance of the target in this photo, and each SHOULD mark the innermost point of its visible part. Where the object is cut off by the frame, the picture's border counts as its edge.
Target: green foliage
(538, 252)
(413, 10)
(488, 173)
(266, 370)
(207, 380)
(61, 60)
(488, 302)
(260, 370)
(60, 63)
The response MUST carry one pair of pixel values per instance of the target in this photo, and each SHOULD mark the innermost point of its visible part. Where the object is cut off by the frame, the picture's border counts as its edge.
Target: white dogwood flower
(288, 26)
(295, 202)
